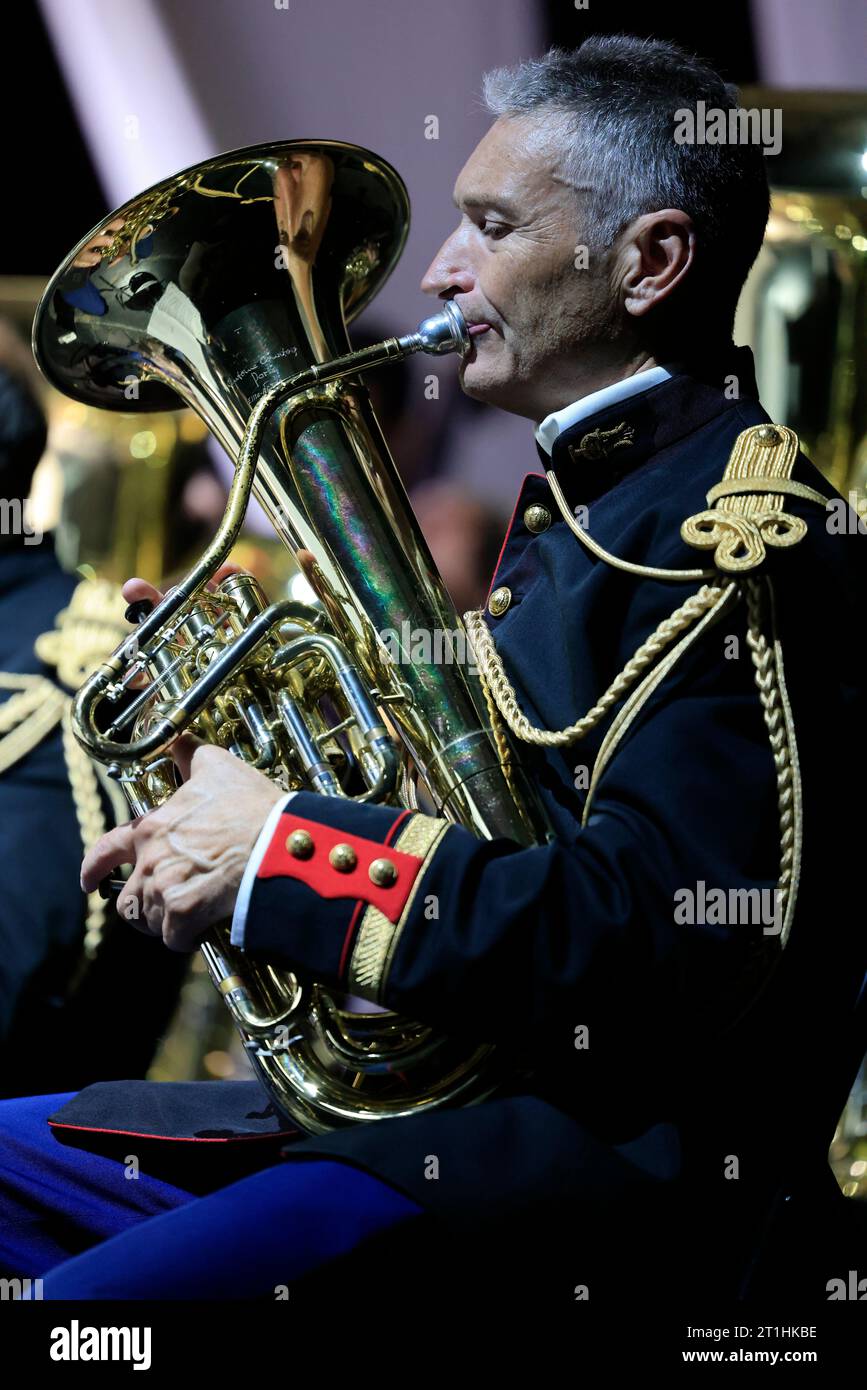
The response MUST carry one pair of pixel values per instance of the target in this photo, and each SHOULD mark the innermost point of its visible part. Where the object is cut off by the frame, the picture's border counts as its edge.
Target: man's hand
(190, 854)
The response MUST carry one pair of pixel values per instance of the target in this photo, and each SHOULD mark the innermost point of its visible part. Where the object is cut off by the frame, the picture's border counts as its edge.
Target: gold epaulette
(746, 510)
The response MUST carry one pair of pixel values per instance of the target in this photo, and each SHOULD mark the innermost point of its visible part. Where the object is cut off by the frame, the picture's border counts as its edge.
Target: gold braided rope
(707, 606)
(749, 515)
(504, 750)
(771, 685)
(91, 824)
(628, 566)
(503, 693)
(28, 716)
(630, 710)
(26, 719)
(86, 631)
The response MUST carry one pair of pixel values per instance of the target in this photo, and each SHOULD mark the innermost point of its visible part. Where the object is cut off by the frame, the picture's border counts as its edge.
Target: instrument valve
(138, 611)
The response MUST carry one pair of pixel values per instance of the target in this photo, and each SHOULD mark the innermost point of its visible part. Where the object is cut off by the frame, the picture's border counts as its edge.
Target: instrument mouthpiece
(444, 332)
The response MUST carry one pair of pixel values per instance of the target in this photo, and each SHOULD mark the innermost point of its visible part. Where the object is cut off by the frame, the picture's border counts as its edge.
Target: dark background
(51, 183)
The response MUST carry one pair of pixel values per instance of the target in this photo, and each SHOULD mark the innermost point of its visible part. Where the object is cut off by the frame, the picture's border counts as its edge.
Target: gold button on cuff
(537, 519)
(383, 873)
(343, 858)
(499, 601)
(300, 844)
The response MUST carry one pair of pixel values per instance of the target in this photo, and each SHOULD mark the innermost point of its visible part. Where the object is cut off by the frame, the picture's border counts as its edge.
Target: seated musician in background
(673, 645)
(65, 968)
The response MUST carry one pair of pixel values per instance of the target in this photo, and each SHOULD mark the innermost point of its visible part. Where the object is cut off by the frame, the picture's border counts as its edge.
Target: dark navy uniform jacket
(52, 1036)
(41, 909)
(701, 1049)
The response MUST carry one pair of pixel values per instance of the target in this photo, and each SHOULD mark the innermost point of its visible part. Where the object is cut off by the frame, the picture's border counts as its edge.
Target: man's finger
(115, 847)
(177, 936)
(182, 751)
(135, 589)
(223, 572)
(176, 929)
(130, 904)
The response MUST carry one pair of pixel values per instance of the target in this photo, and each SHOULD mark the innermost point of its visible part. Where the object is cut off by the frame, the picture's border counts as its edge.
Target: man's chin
(484, 385)
(480, 381)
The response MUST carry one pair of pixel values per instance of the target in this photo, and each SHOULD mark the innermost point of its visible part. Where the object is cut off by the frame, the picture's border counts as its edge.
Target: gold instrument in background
(802, 310)
(229, 286)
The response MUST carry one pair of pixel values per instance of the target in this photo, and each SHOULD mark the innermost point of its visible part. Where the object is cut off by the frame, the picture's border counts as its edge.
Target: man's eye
(494, 230)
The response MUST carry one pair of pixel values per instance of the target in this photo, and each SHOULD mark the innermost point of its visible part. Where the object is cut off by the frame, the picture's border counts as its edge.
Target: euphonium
(229, 286)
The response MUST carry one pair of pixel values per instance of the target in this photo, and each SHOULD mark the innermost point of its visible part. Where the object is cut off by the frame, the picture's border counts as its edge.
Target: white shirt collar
(554, 424)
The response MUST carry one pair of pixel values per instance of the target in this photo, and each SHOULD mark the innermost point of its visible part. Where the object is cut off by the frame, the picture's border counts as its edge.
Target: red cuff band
(314, 867)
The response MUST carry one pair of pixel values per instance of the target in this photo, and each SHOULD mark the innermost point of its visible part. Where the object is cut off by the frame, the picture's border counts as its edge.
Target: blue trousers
(78, 1222)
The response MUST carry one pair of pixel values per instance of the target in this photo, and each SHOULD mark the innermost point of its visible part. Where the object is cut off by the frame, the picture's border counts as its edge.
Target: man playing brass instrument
(653, 964)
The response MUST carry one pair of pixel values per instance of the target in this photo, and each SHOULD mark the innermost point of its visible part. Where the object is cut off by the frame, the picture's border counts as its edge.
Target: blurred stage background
(127, 94)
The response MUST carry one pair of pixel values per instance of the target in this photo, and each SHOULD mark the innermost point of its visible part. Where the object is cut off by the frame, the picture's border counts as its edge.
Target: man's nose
(449, 272)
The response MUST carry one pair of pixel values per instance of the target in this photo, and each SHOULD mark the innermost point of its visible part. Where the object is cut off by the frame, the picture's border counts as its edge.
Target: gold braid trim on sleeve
(377, 938)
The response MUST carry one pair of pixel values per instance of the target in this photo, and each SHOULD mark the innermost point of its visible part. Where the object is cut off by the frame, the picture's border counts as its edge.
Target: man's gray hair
(619, 96)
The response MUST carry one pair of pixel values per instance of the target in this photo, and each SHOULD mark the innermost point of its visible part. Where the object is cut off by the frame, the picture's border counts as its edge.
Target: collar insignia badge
(598, 444)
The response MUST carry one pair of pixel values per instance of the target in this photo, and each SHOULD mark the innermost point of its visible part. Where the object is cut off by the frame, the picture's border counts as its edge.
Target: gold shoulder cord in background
(745, 515)
(86, 633)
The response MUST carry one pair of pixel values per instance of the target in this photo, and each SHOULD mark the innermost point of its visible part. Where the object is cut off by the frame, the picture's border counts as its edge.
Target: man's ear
(656, 252)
